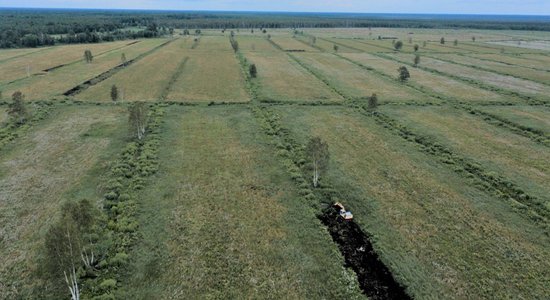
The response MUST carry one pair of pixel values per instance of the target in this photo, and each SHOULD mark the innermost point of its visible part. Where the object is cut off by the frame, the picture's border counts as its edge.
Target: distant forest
(43, 27)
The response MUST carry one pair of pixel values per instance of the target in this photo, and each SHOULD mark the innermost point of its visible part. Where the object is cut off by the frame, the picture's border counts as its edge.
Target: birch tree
(17, 109)
(317, 152)
(137, 120)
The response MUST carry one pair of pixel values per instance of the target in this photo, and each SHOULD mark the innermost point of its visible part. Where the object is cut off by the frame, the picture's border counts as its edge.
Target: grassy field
(529, 116)
(223, 220)
(440, 236)
(498, 150)
(209, 75)
(282, 79)
(38, 61)
(356, 82)
(56, 82)
(426, 80)
(60, 160)
(431, 176)
(142, 81)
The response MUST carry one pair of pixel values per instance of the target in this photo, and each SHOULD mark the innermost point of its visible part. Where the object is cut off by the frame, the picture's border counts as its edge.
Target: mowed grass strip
(497, 150)
(222, 219)
(288, 43)
(210, 76)
(282, 79)
(357, 45)
(536, 117)
(517, 71)
(37, 172)
(254, 44)
(324, 44)
(54, 83)
(7, 54)
(509, 83)
(356, 82)
(144, 80)
(441, 237)
(518, 60)
(54, 56)
(431, 82)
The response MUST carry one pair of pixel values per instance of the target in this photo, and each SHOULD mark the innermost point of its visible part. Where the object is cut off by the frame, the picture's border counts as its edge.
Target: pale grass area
(7, 54)
(539, 45)
(289, 43)
(527, 73)
(37, 62)
(210, 76)
(254, 44)
(354, 81)
(214, 43)
(35, 173)
(53, 84)
(144, 80)
(537, 117)
(282, 79)
(502, 81)
(515, 157)
(432, 82)
(444, 238)
(518, 60)
(359, 45)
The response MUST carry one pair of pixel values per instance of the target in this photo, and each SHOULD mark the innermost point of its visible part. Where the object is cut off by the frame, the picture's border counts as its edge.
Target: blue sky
(536, 7)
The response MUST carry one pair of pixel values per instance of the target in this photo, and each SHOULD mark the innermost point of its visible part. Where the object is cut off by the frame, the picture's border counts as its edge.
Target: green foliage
(442, 41)
(17, 109)
(318, 158)
(114, 93)
(253, 71)
(404, 74)
(398, 45)
(88, 57)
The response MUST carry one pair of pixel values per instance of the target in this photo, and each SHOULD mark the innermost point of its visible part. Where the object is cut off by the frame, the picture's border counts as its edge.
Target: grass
(50, 57)
(61, 159)
(355, 82)
(210, 76)
(282, 79)
(290, 44)
(254, 44)
(515, 60)
(536, 117)
(430, 82)
(501, 81)
(517, 158)
(142, 81)
(233, 226)
(440, 236)
(54, 83)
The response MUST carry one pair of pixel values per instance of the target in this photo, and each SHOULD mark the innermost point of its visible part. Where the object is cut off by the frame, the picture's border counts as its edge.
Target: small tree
(473, 39)
(416, 47)
(123, 59)
(137, 120)
(88, 57)
(416, 60)
(114, 93)
(335, 47)
(318, 154)
(373, 102)
(16, 109)
(253, 71)
(410, 40)
(404, 74)
(398, 45)
(442, 41)
(455, 43)
(234, 44)
(424, 44)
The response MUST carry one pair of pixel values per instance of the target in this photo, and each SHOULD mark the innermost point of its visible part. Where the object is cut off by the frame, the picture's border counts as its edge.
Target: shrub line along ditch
(174, 78)
(374, 277)
(105, 75)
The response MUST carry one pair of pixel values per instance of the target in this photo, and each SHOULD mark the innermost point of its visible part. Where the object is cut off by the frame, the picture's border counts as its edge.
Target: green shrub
(119, 259)
(107, 284)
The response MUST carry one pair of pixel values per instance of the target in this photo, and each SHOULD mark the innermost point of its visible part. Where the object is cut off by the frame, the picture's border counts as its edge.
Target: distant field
(515, 157)
(56, 82)
(356, 82)
(431, 82)
(441, 236)
(142, 81)
(229, 223)
(282, 79)
(209, 76)
(63, 151)
(537, 117)
(39, 61)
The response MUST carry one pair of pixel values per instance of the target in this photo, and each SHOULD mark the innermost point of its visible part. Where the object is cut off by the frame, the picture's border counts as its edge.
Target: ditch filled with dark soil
(375, 279)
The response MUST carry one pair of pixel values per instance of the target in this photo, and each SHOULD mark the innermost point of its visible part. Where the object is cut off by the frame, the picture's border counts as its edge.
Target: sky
(525, 7)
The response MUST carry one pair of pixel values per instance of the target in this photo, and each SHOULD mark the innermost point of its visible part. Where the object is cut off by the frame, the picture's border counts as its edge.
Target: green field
(446, 173)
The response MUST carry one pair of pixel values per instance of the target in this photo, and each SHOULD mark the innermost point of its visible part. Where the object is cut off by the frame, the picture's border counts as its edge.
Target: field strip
(24, 54)
(502, 61)
(174, 78)
(501, 187)
(105, 75)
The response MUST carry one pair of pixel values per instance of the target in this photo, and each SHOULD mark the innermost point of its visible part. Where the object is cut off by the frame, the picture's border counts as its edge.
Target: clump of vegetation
(416, 47)
(318, 155)
(373, 102)
(335, 47)
(398, 45)
(88, 57)
(416, 60)
(253, 71)
(123, 59)
(137, 120)
(114, 93)
(455, 42)
(17, 109)
(442, 41)
(404, 74)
